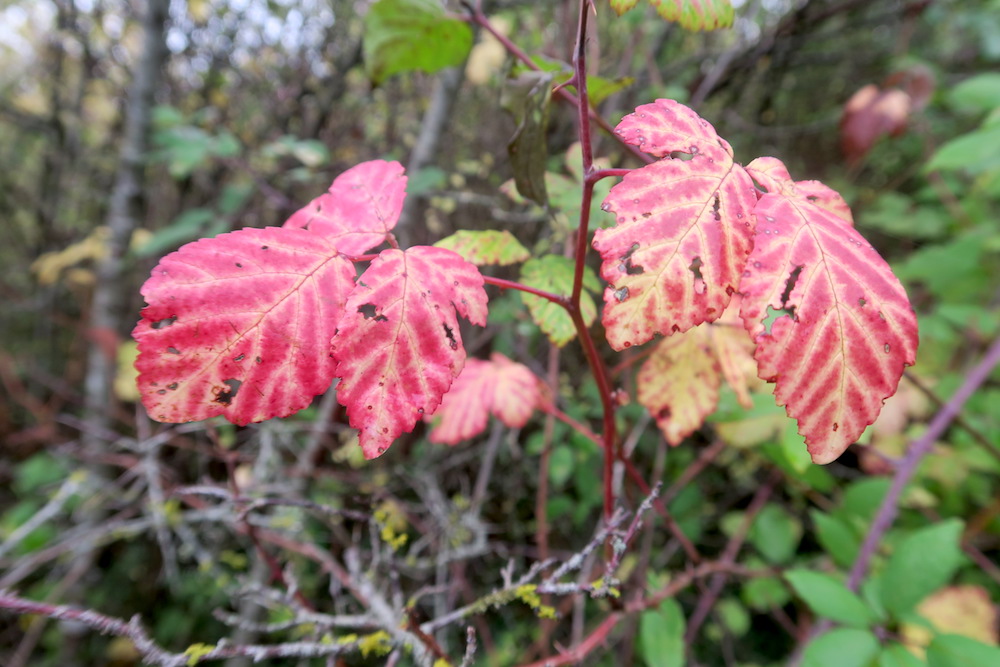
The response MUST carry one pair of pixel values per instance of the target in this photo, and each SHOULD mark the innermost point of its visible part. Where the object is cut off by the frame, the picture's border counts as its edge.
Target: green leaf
(527, 97)
(830, 598)
(981, 92)
(975, 152)
(554, 273)
(490, 246)
(862, 498)
(921, 563)
(661, 635)
(837, 538)
(897, 655)
(776, 534)
(408, 35)
(842, 647)
(959, 651)
(765, 593)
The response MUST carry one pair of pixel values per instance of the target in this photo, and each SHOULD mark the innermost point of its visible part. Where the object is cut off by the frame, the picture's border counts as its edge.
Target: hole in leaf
(793, 278)
(172, 386)
(173, 350)
(715, 208)
(226, 396)
(166, 322)
(699, 281)
(621, 294)
(862, 302)
(452, 342)
(836, 426)
(757, 185)
(627, 267)
(368, 310)
(240, 358)
(773, 314)
(682, 155)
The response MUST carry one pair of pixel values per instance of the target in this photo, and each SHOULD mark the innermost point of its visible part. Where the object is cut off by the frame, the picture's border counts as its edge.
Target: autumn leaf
(683, 232)
(506, 389)
(398, 347)
(733, 349)
(690, 14)
(490, 246)
(844, 329)
(554, 273)
(240, 325)
(362, 205)
(772, 175)
(679, 383)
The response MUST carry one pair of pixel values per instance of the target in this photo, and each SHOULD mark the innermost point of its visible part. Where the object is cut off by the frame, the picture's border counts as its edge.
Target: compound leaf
(845, 329)
(398, 346)
(554, 273)
(239, 325)
(408, 35)
(684, 228)
(679, 383)
(490, 246)
(506, 389)
(361, 206)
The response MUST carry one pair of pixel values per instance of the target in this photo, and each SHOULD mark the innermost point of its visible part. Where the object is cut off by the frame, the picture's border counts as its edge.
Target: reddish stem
(510, 284)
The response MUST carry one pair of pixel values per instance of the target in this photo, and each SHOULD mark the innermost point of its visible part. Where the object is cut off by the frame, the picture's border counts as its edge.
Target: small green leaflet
(690, 14)
(554, 273)
(486, 247)
(408, 35)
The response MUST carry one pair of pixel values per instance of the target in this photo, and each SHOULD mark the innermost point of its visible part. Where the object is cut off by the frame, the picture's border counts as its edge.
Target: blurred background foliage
(262, 102)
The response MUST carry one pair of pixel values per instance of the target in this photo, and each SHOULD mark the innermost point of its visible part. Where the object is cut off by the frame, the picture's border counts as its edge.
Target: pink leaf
(507, 390)
(362, 205)
(683, 232)
(240, 325)
(398, 347)
(845, 329)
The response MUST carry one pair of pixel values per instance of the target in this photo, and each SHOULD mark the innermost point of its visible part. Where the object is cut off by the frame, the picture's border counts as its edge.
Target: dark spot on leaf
(628, 344)
(226, 396)
(173, 350)
(172, 386)
(814, 198)
(368, 310)
(621, 294)
(715, 208)
(166, 322)
(369, 407)
(663, 414)
(452, 342)
(626, 266)
(729, 290)
(836, 426)
(381, 450)
(385, 430)
(263, 247)
(239, 265)
(887, 348)
(258, 360)
(881, 315)
(647, 214)
(793, 278)
(862, 302)
(161, 391)
(675, 329)
(240, 358)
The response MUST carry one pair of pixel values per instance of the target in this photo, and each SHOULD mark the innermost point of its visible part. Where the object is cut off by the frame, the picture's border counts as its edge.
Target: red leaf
(362, 205)
(683, 231)
(240, 326)
(869, 115)
(847, 330)
(771, 174)
(507, 390)
(398, 347)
